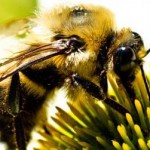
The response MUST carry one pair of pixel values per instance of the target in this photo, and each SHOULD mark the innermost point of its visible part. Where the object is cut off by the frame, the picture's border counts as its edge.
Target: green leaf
(16, 9)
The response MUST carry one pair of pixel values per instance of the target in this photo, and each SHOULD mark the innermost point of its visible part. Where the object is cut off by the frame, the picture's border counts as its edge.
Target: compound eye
(125, 55)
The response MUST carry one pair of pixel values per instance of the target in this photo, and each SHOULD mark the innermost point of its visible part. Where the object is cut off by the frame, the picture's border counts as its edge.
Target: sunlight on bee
(60, 100)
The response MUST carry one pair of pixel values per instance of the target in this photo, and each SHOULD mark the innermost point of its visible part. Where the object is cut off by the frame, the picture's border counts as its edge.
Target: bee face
(90, 24)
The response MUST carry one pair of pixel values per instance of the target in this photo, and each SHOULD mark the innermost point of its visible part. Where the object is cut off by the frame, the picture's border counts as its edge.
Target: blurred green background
(16, 9)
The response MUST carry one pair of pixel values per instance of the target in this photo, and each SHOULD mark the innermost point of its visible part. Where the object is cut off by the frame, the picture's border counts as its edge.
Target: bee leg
(103, 81)
(20, 138)
(127, 83)
(98, 93)
(145, 81)
(144, 76)
(90, 87)
(14, 109)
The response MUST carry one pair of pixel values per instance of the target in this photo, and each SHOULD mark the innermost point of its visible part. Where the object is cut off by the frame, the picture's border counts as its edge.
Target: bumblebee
(71, 48)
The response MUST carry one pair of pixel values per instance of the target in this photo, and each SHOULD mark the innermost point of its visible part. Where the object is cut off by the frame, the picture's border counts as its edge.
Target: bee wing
(24, 59)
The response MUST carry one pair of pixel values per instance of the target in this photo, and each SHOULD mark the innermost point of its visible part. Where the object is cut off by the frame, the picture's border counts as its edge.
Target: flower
(94, 125)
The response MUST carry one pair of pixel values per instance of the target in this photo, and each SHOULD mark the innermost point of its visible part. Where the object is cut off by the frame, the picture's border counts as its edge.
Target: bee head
(128, 53)
(86, 27)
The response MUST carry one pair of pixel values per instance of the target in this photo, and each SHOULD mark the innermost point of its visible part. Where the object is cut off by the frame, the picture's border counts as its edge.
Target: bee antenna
(145, 79)
(147, 52)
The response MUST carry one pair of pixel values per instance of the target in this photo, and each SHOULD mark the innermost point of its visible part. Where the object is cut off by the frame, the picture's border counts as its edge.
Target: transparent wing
(24, 59)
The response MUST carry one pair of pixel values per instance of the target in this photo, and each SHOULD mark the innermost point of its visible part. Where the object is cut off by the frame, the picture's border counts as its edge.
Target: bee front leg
(15, 104)
(90, 87)
(145, 81)
(98, 93)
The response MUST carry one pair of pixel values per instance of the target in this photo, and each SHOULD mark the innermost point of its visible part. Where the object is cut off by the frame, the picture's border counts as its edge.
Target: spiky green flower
(93, 125)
